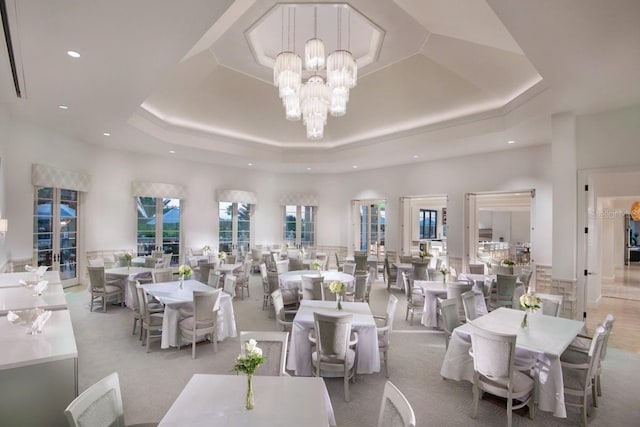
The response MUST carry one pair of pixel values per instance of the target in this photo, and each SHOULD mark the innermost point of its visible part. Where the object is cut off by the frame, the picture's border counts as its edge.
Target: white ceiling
(438, 78)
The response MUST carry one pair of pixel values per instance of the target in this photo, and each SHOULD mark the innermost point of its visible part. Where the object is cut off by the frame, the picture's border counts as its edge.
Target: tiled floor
(623, 301)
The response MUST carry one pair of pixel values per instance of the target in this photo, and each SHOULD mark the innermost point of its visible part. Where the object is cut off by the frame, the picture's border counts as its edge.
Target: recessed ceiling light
(63, 107)
(73, 54)
(172, 151)
(511, 142)
(308, 169)
(106, 134)
(249, 164)
(355, 166)
(415, 156)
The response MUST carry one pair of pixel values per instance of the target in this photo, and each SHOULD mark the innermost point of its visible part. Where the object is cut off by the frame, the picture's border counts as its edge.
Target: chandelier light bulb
(314, 55)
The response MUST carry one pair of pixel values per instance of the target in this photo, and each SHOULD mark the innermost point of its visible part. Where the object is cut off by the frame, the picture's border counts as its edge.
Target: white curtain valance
(236, 196)
(157, 189)
(299, 200)
(49, 176)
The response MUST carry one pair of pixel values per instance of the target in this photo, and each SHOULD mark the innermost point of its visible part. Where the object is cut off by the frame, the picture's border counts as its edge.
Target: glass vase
(525, 321)
(339, 300)
(249, 402)
(181, 281)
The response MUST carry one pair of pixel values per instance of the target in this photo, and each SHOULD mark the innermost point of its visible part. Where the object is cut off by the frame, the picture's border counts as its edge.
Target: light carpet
(151, 382)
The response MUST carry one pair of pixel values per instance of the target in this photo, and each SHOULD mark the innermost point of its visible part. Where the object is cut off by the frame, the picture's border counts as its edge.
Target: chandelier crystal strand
(292, 107)
(314, 48)
(315, 98)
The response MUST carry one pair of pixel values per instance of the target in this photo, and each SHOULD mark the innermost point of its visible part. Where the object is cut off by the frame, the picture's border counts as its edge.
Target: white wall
(3, 167)
(109, 207)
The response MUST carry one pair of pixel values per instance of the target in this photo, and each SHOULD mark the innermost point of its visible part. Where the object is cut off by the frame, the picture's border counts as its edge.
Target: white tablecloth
(22, 298)
(11, 280)
(545, 338)
(434, 289)
(124, 274)
(175, 299)
(299, 359)
(293, 279)
(209, 400)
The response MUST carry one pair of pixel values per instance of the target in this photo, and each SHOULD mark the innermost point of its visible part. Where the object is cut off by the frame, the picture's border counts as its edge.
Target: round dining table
(293, 279)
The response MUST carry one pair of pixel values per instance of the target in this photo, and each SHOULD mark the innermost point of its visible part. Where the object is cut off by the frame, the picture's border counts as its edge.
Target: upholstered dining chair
(525, 277)
(420, 271)
(151, 262)
(334, 346)
(151, 320)
(295, 264)
(162, 275)
(204, 320)
(469, 305)
(101, 288)
(256, 259)
(205, 268)
(242, 281)
(360, 289)
(313, 288)
(384, 330)
(265, 286)
(100, 405)
(349, 268)
(551, 307)
(230, 284)
(214, 279)
(476, 268)
(505, 288)
(450, 317)
(390, 272)
(282, 266)
(338, 265)
(395, 409)
(455, 290)
(415, 301)
(274, 349)
(494, 372)
(284, 318)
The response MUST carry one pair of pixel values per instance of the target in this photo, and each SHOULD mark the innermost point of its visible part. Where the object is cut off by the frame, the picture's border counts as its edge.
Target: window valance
(236, 196)
(299, 200)
(49, 176)
(157, 189)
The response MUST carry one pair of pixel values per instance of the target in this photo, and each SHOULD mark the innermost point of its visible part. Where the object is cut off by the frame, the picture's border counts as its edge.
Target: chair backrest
(295, 264)
(506, 270)
(525, 277)
(143, 302)
(476, 268)
(108, 262)
(406, 259)
(469, 305)
(395, 409)
(100, 404)
(274, 281)
(122, 261)
(96, 262)
(278, 304)
(595, 352)
(332, 332)
(151, 262)
(204, 272)
(420, 270)
(263, 272)
(162, 275)
(551, 307)
(406, 281)
(505, 286)
(231, 259)
(392, 304)
(204, 303)
(361, 287)
(96, 277)
(256, 255)
(392, 256)
(608, 326)
(214, 279)
(361, 262)
(230, 284)
(493, 356)
(274, 349)
(455, 290)
(157, 254)
(134, 295)
(337, 260)
(349, 268)
(166, 260)
(282, 266)
(453, 273)
(449, 310)
(313, 288)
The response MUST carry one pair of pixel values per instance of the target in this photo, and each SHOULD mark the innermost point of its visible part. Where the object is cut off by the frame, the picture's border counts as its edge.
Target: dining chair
(313, 288)
(406, 259)
(295, 264)
(449, 312)
(166, 260)
(204, 320)
(494, 372)
(578, 351)
(505, 287)
(151, 320)
(469, 305)
(205, 268)
(265, 286)
(256, 259)
(349, 268)
(420, 270)
(371, 277)
(96, 262)
(415, 301)
(338, 265)
(214, 279)
(455, 290)
(552, 307)
(99, 405)
(242, 280)
(334, 346)
(360, 288)
(579, 378)
(476, 268)
(395, 409)
(103, 288)
(360, 262)
(274, 349)
(284, 318)
(384, 330)
(282, 266)
(151, 262)
(230, 284)
(231, 259)
(525, 277)
(390, 273)
(162, 275)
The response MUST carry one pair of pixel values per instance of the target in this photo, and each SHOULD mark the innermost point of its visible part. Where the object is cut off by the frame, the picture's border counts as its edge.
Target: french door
(369, 226)
(158, 226)
(55, 231)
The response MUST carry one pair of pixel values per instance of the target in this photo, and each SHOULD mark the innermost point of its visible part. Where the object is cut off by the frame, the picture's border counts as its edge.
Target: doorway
(158, 226)
(369, 226)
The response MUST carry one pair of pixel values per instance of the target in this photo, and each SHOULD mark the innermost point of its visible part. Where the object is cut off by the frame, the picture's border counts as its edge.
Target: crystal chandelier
(314, 99)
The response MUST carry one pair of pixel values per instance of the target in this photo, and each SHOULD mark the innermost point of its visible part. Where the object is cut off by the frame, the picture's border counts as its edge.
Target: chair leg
(584, 410)
(193, 346)
(148, 339)
(386, 368)
(104, 303)
(594, 395)
(509, 411)
(598, 387)
(347, 397)
(91, 303)
(135, 322)
(476, 398)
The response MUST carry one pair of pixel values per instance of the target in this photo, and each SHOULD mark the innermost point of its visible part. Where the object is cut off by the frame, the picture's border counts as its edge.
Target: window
(158, 226)
(234, 226)
(428, 224)
(300, 225)
(369, 227)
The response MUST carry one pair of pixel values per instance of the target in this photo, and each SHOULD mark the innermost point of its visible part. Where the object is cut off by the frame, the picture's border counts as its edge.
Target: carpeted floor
(150, 382)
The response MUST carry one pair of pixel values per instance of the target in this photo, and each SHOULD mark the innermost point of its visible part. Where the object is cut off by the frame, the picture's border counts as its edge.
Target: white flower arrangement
(507, 262)
(530, 301)
(249, 359)
(222, 255)
(337, 287)
(184, 270)
(444, 270)
(317, 264)
(302, 251)
(128, 256)
(425, 254)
